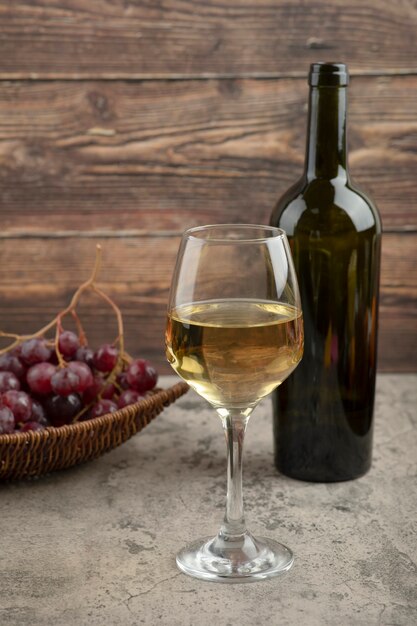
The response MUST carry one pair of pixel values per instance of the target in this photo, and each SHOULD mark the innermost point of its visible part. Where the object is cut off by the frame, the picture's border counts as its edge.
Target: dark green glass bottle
(323, 413)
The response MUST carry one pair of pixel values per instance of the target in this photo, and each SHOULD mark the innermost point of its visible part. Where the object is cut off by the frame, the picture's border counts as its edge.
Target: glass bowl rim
(276, 233)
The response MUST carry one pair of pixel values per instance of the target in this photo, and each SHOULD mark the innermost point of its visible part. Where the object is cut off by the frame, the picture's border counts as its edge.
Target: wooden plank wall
(126, 122)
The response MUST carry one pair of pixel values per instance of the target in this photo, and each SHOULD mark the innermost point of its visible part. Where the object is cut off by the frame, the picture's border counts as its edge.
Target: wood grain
(39, 279)
(164, 155)
(90, 152)
(134, 38)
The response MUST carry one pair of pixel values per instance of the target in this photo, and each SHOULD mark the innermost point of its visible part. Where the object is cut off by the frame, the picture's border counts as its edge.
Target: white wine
(234, 352)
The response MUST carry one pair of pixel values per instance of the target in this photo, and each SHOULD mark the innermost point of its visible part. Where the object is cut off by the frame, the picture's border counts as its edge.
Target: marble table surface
(96, 544)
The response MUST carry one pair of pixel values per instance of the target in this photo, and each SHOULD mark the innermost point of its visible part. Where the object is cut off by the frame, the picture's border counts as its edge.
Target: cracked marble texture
(95, 545)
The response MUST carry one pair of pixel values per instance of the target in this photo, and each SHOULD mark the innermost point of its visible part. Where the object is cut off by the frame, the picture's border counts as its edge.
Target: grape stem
(71, 309)
(90, 284)
(59, 329)
(81, 333)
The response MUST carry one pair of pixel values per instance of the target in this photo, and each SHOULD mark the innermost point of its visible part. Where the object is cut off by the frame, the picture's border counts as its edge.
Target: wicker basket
(23, 455)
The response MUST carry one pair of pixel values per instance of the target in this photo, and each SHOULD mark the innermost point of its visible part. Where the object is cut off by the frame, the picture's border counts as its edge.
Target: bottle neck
(326, 143)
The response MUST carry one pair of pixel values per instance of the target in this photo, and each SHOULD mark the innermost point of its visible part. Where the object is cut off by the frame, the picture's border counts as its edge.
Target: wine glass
(234, 333)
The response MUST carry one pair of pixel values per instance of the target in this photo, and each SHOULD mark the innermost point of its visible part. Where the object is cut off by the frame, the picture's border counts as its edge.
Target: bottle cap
(328, 75)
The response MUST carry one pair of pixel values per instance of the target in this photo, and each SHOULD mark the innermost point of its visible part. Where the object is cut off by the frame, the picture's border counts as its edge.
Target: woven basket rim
(57, 432)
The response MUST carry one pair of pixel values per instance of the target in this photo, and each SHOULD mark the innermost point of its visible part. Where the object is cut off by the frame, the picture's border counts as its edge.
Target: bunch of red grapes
(41, 386)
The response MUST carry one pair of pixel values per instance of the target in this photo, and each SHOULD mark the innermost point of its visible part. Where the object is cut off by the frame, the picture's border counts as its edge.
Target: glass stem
(234, 426)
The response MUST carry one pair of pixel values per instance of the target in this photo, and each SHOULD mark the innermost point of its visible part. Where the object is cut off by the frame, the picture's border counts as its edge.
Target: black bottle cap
(328, 75)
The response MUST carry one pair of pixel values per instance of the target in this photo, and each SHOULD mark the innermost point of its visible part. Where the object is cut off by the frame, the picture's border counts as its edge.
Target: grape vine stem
(89, 284)
(57, 323)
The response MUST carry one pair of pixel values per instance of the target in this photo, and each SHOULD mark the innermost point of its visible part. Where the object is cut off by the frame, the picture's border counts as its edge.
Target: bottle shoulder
(328, 205)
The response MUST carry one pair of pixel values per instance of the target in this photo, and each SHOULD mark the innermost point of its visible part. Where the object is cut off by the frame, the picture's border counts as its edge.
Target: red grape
(64, 382)
(105, 358)
(11, 363)
(8, 381)
(6, 420)
(93, 390)
(101, 388)
(85, 354)
(39, 377)
(61, 410)
(38, 413)
(141, 375)
(5, 362)
(103, 407)
(68, 343)
(35, 351)
(108, 392)
(129, 396)
(19, 403)
(85, 375)
(75, 378)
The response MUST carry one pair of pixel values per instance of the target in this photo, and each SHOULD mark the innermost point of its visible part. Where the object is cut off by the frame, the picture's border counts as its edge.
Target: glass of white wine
(234, 333)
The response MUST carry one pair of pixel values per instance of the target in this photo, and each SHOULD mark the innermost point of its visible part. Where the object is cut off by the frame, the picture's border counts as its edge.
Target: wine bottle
(323, 413)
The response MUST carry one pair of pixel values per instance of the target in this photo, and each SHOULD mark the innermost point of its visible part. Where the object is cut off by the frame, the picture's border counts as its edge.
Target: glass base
(242, 559)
